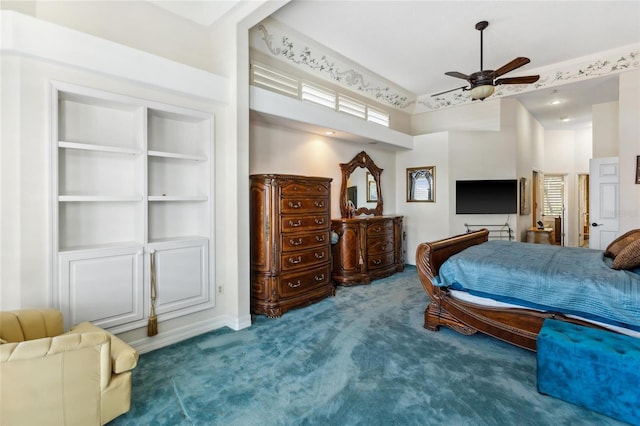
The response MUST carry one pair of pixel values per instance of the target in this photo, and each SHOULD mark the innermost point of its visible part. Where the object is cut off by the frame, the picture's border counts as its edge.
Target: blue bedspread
(570, 280)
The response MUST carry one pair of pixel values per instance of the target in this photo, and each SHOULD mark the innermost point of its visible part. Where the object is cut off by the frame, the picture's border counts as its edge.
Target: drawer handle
(295, 261)
(319, 221)
(319, 256)
(319, 204)
(292, 285)
(319, 238)
(377, 228)
(292, 223)
(296, 243)
(296, 205)
(319, 278)
(376, 261)
(384, 247)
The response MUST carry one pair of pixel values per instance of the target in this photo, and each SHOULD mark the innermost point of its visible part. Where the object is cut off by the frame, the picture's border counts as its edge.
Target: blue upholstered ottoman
(596, 369)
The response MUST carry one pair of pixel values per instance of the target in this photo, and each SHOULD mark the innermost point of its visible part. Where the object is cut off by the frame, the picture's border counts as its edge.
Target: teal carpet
(359, 358)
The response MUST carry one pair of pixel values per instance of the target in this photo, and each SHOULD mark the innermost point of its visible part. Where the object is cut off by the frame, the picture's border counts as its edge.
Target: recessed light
(329, 132)
(564, 119)
(556, 102)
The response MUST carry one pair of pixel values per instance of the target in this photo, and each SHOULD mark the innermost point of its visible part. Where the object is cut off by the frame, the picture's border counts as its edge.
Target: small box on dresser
(290, 242)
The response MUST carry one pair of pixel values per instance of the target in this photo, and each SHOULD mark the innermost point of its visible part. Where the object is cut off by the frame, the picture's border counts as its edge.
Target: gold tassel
(152, 326)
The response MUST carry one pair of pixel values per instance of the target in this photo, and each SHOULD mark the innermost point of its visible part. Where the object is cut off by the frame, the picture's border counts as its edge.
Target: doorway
(583, 210)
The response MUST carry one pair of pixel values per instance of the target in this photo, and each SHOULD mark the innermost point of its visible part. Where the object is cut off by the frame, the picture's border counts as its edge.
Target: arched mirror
(361, 187)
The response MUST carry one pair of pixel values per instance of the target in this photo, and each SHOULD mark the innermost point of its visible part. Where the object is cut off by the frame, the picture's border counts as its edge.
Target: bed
(512, 305)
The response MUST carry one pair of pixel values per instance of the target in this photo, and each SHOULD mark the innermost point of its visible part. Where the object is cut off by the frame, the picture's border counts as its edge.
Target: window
(273, 80)
(351, 106)
(318, 96)
(553, 195)
(263, 76)
(378, 117)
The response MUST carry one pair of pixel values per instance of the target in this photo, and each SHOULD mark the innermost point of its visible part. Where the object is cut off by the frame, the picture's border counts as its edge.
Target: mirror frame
(360, 160)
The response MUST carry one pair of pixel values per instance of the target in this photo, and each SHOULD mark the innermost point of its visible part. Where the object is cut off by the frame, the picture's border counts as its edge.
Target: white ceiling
(412, 43)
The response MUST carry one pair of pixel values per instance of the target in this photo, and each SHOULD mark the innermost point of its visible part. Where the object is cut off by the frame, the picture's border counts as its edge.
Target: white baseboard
(176, 335)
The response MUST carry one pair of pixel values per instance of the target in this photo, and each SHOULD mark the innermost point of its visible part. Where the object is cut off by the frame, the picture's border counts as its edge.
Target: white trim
(175, 335)
(28, 36)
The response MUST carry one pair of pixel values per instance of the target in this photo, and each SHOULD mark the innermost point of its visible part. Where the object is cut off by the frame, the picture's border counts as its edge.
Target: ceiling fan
(482, 83)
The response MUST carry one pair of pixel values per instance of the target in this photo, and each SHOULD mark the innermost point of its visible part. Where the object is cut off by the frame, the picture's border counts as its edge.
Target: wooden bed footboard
(518, 326)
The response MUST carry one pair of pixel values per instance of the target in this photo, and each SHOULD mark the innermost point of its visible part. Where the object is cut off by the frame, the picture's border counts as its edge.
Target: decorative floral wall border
(273, 38)
(269, 38)
(616, 62)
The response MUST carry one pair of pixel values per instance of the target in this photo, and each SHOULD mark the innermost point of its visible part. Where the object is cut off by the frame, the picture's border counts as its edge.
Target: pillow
(621, 242)
(629, 257)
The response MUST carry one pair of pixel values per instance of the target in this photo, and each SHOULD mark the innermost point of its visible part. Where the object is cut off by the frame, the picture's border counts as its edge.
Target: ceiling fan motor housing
(481, 78)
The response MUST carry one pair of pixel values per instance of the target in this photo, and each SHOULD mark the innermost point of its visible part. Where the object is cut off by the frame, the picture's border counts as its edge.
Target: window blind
(378, 117)
(318, 95)
(553, 195)
(273, 80)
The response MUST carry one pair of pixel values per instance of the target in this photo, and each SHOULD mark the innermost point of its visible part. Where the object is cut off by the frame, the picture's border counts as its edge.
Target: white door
(604, 201)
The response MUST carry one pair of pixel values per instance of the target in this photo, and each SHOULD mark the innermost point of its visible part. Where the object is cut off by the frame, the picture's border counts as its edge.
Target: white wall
(425, 221)
(480, 155)
(629, 103)
(281, 150)
(137, 24)
(520, 127)
(605, 129)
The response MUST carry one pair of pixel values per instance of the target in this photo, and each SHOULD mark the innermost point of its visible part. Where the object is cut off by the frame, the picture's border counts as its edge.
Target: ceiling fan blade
(457, 75)
(527, 79)
(447, 91)
(516, 63)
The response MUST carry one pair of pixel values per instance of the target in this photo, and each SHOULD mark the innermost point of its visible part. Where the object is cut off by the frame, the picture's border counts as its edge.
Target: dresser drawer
(304, 241)
(300, 188)
(380, 228)
(299, 283)
(380, 260)
(304, 223)
(378, 245)
(303, 205)
(305, 259)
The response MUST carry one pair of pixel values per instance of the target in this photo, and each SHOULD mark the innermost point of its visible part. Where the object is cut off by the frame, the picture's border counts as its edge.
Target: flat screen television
(486, 196)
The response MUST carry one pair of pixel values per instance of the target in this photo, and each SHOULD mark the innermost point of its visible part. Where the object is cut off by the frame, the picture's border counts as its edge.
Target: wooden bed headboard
(430, 256)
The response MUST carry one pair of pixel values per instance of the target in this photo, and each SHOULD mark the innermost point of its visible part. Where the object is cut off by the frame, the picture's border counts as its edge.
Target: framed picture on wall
(525, 208)
(421, 184)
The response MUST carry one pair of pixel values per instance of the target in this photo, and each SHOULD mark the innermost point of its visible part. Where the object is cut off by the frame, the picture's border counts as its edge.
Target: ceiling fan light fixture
(482, 92)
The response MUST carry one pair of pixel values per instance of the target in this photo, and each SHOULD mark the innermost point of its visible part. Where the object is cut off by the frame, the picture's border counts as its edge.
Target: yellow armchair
(82, 377)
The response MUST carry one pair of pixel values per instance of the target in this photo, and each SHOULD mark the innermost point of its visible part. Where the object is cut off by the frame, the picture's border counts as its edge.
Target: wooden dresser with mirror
(369, 244)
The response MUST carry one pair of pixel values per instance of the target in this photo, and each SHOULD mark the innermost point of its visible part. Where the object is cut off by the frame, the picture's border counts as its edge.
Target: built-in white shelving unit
(132, 181)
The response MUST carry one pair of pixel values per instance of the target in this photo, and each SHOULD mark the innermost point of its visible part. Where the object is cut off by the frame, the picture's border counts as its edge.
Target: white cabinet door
(182, 277)
(104, 286)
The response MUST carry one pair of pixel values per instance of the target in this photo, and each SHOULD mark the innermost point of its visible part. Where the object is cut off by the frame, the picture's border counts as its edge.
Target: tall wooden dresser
(290, 242)
(368, 248)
